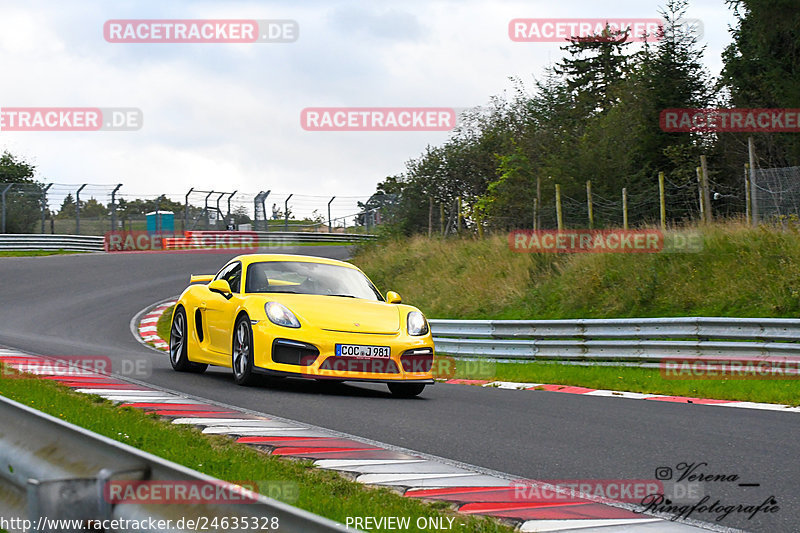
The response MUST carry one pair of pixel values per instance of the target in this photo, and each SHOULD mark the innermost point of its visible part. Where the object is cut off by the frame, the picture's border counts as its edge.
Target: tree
(241, 215)
(24, 198)
(595, 63)
(68, 209)
(761, 67)
(93, 209)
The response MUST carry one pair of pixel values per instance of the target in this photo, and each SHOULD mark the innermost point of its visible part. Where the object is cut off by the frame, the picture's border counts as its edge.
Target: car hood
(336, 313)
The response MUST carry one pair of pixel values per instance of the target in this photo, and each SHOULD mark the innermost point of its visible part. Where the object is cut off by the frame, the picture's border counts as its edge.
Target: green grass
(36, 253)
(164, 323)
(741, 271)
(780, 391)
(322, 492)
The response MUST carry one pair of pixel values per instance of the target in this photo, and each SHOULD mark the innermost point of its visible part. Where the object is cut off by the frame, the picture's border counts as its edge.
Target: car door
(220, 311)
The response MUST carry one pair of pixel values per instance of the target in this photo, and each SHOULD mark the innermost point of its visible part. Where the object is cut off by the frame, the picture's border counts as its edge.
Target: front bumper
(410, 360)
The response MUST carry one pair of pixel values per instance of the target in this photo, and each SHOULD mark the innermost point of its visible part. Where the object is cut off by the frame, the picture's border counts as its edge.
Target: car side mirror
(221, 286)
(393, 298)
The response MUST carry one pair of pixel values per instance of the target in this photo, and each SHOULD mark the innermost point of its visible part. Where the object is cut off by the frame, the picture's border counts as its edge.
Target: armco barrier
(94, 243)
(58, 471)
(196, 239)
(636, 339)
(45, 241)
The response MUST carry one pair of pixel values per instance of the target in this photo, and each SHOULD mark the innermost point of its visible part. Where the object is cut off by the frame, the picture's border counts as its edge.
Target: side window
(224, 272)
(234, 277)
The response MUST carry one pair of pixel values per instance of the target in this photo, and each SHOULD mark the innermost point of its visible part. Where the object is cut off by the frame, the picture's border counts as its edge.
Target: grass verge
(322, 492)
(741, 271)
(647, 380)
(164, 323)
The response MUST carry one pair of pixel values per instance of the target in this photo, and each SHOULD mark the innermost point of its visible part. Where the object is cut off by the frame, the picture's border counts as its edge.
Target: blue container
(166, 221)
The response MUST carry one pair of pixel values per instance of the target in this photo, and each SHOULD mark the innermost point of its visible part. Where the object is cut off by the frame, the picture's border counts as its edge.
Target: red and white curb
(510, 385)
(147, 330)
(468, 488)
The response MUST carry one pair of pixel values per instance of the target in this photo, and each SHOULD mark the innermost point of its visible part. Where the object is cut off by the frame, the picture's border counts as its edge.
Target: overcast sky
(227, 116)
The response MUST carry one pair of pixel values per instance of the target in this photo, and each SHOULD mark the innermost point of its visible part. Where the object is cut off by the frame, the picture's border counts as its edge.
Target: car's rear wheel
(178, 348)
(242, 353)
(406, 390)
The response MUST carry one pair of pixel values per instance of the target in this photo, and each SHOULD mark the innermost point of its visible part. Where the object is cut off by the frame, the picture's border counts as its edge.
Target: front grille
(359, 364)
(417, 360)
(359, 332)
(289, 352)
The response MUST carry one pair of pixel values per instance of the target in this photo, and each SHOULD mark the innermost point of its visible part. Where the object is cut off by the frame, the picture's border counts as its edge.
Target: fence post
(559, 214)
(330, 224)
(430, 216)
(186, 209)
(286, 213)
(44, 203)
(747, 198)
(205, 209)
(589, 203)
(458, 220)
(624, 208)
(219, 211)
(4, 205)
(535, 214)
(751, 150)
(662, 201)
(113, 208)
(229, 218)
(441, 218)
(700, 194)
(78, 209)
(706, 193)
(158, 215)
(539, 202)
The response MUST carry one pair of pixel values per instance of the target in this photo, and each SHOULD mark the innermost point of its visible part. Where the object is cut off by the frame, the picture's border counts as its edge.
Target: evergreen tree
(594, 64)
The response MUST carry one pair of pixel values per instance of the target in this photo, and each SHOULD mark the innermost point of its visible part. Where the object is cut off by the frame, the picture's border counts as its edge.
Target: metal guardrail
(309, 236)
(619, 339)
(55, 470)
(94, 243)
(46, 241)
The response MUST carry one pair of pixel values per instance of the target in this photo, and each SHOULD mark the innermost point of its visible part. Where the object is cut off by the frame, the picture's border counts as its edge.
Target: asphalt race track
(83, 304)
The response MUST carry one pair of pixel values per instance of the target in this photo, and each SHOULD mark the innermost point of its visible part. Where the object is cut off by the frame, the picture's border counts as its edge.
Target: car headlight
(416, 323)
(279, 314)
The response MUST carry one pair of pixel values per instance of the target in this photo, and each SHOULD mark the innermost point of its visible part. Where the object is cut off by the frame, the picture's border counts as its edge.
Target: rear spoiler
(201, 278)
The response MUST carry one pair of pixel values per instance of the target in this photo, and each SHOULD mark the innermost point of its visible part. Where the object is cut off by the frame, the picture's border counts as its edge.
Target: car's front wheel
(242, 353)
(178, 349)
(406, 390)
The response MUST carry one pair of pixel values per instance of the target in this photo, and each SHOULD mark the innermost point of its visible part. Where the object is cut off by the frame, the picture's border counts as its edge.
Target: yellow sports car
(294, 315)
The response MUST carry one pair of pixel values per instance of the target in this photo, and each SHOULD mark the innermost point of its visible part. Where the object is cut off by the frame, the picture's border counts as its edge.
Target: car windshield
(301, 277)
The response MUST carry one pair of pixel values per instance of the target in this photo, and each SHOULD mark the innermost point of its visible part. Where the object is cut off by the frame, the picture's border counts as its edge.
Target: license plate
(358, 350)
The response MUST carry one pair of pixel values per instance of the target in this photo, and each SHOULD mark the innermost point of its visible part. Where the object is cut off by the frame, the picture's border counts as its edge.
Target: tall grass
(741, 271)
